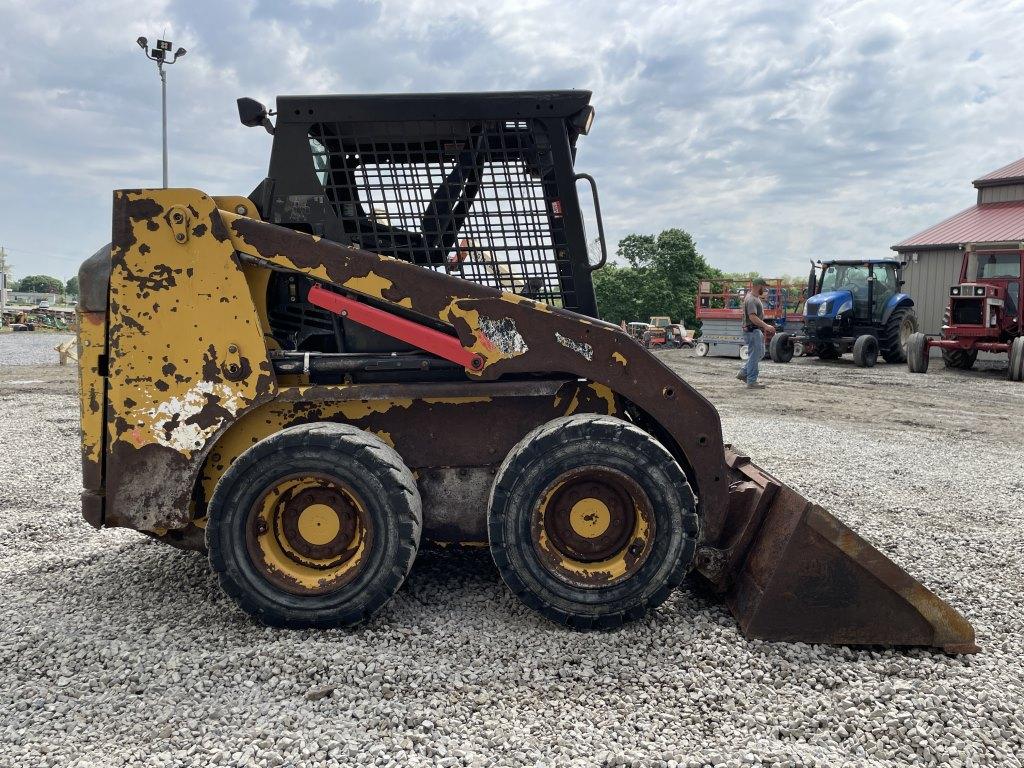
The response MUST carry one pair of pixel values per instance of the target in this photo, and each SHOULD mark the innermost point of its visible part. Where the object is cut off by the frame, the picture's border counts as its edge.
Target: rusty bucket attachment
(792, 572)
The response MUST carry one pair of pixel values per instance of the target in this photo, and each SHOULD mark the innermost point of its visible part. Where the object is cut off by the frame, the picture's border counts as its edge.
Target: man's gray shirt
(751, 306)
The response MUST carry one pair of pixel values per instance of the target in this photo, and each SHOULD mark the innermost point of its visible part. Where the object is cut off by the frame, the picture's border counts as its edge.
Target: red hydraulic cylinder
(427, 339)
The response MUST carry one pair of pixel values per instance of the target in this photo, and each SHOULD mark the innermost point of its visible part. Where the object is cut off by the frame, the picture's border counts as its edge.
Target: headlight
(979, 291)
(954, 291)
(823, 309)
(846, 306)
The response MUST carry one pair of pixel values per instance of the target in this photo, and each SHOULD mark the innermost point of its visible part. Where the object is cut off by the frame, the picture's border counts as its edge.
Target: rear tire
(273, 513)
(1016, 370)
(591, 521)
(961, 359)
(781, 348)
(702, 349)
(894, 338)
(917, 353)
(865, 351)
(828, 352)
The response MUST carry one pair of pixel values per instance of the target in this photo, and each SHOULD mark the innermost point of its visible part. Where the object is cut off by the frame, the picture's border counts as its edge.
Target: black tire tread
(960, 359)
(889, 336)
(1015, 372)
(292, 445)
(917, 355)
(586, 428)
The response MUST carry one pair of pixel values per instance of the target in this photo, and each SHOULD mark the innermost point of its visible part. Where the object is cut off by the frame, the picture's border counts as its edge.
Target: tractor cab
(846, 293)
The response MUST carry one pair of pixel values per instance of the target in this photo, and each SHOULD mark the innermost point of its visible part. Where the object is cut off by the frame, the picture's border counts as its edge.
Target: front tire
(702, 349)
(781, 348)
(591, 521)
(1016, 370)
(917, 353)
(865, 351)
(315, 526)
(894, 338)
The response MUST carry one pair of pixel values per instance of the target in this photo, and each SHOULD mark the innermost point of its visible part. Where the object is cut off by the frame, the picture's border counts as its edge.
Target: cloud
(772, 132)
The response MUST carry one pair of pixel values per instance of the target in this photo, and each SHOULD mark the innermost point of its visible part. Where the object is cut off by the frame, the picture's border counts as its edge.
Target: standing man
(755, 332)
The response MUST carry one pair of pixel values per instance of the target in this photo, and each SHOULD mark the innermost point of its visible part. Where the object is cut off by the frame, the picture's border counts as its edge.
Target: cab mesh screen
(478, 199)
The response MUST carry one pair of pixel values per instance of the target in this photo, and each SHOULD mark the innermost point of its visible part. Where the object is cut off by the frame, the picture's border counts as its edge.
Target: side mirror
(251, 113)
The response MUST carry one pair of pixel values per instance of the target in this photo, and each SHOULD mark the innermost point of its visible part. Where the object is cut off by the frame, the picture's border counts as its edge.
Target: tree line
(45, 284)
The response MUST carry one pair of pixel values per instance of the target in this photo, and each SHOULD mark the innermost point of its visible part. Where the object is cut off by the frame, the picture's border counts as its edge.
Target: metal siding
(1001, 194)
(928, 282)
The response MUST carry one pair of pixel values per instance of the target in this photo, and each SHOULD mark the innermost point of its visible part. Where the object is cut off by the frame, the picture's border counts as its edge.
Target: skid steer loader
(394, 340)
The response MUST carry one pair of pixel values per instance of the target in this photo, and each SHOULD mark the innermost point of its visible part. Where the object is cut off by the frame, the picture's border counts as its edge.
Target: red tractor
(984, 313)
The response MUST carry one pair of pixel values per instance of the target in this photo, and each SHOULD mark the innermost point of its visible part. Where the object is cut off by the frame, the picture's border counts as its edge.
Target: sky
(772, 132)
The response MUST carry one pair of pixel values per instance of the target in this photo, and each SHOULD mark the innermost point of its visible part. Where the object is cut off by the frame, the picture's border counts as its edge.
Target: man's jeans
(755, 344)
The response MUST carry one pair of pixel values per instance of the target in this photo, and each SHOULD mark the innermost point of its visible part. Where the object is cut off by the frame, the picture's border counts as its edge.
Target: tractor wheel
(799, 350)
(828, 352)
(894, 337)
(917, 353)
(781, 348)
(744, 352)
(315, 526)
(702, 349)
(865, 351)
(591, 521)
(1016, 370)
(962, 359)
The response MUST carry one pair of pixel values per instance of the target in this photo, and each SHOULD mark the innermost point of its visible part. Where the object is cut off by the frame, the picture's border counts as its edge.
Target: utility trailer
(311, 381)
(984, 312)
(720, 312)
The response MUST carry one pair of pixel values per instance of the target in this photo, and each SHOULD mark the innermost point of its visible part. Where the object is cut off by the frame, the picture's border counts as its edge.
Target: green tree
(42, 284)
(71, 288)
(661, 279)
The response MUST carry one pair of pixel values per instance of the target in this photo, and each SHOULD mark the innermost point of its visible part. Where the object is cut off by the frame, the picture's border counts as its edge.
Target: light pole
(159, 54)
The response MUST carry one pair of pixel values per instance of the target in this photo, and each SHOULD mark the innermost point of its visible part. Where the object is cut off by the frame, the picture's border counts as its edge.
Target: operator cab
(862, 288)
(477, 185)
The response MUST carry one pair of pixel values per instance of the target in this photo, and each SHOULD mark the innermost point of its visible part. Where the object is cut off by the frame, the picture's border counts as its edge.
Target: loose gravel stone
(118, 651)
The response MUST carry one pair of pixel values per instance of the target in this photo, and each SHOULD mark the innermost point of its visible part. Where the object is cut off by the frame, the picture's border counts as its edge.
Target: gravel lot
(116, 650)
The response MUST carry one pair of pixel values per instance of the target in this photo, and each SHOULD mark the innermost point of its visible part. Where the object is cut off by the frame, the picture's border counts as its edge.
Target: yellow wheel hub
(318, 524)
(309, 534)
(589, 518)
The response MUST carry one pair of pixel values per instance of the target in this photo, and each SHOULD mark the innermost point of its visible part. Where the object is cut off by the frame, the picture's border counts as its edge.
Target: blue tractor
(854, 306)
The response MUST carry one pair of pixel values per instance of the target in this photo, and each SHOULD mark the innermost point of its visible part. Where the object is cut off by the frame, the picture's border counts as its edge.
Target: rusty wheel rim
(308, 534)
(594, 527)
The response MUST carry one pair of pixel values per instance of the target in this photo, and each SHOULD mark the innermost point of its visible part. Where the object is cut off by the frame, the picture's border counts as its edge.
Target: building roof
(1008, 174)
(991, 222)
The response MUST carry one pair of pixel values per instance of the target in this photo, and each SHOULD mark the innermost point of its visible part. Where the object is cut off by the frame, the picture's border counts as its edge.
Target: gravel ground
(116, 650)
(30, 348)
